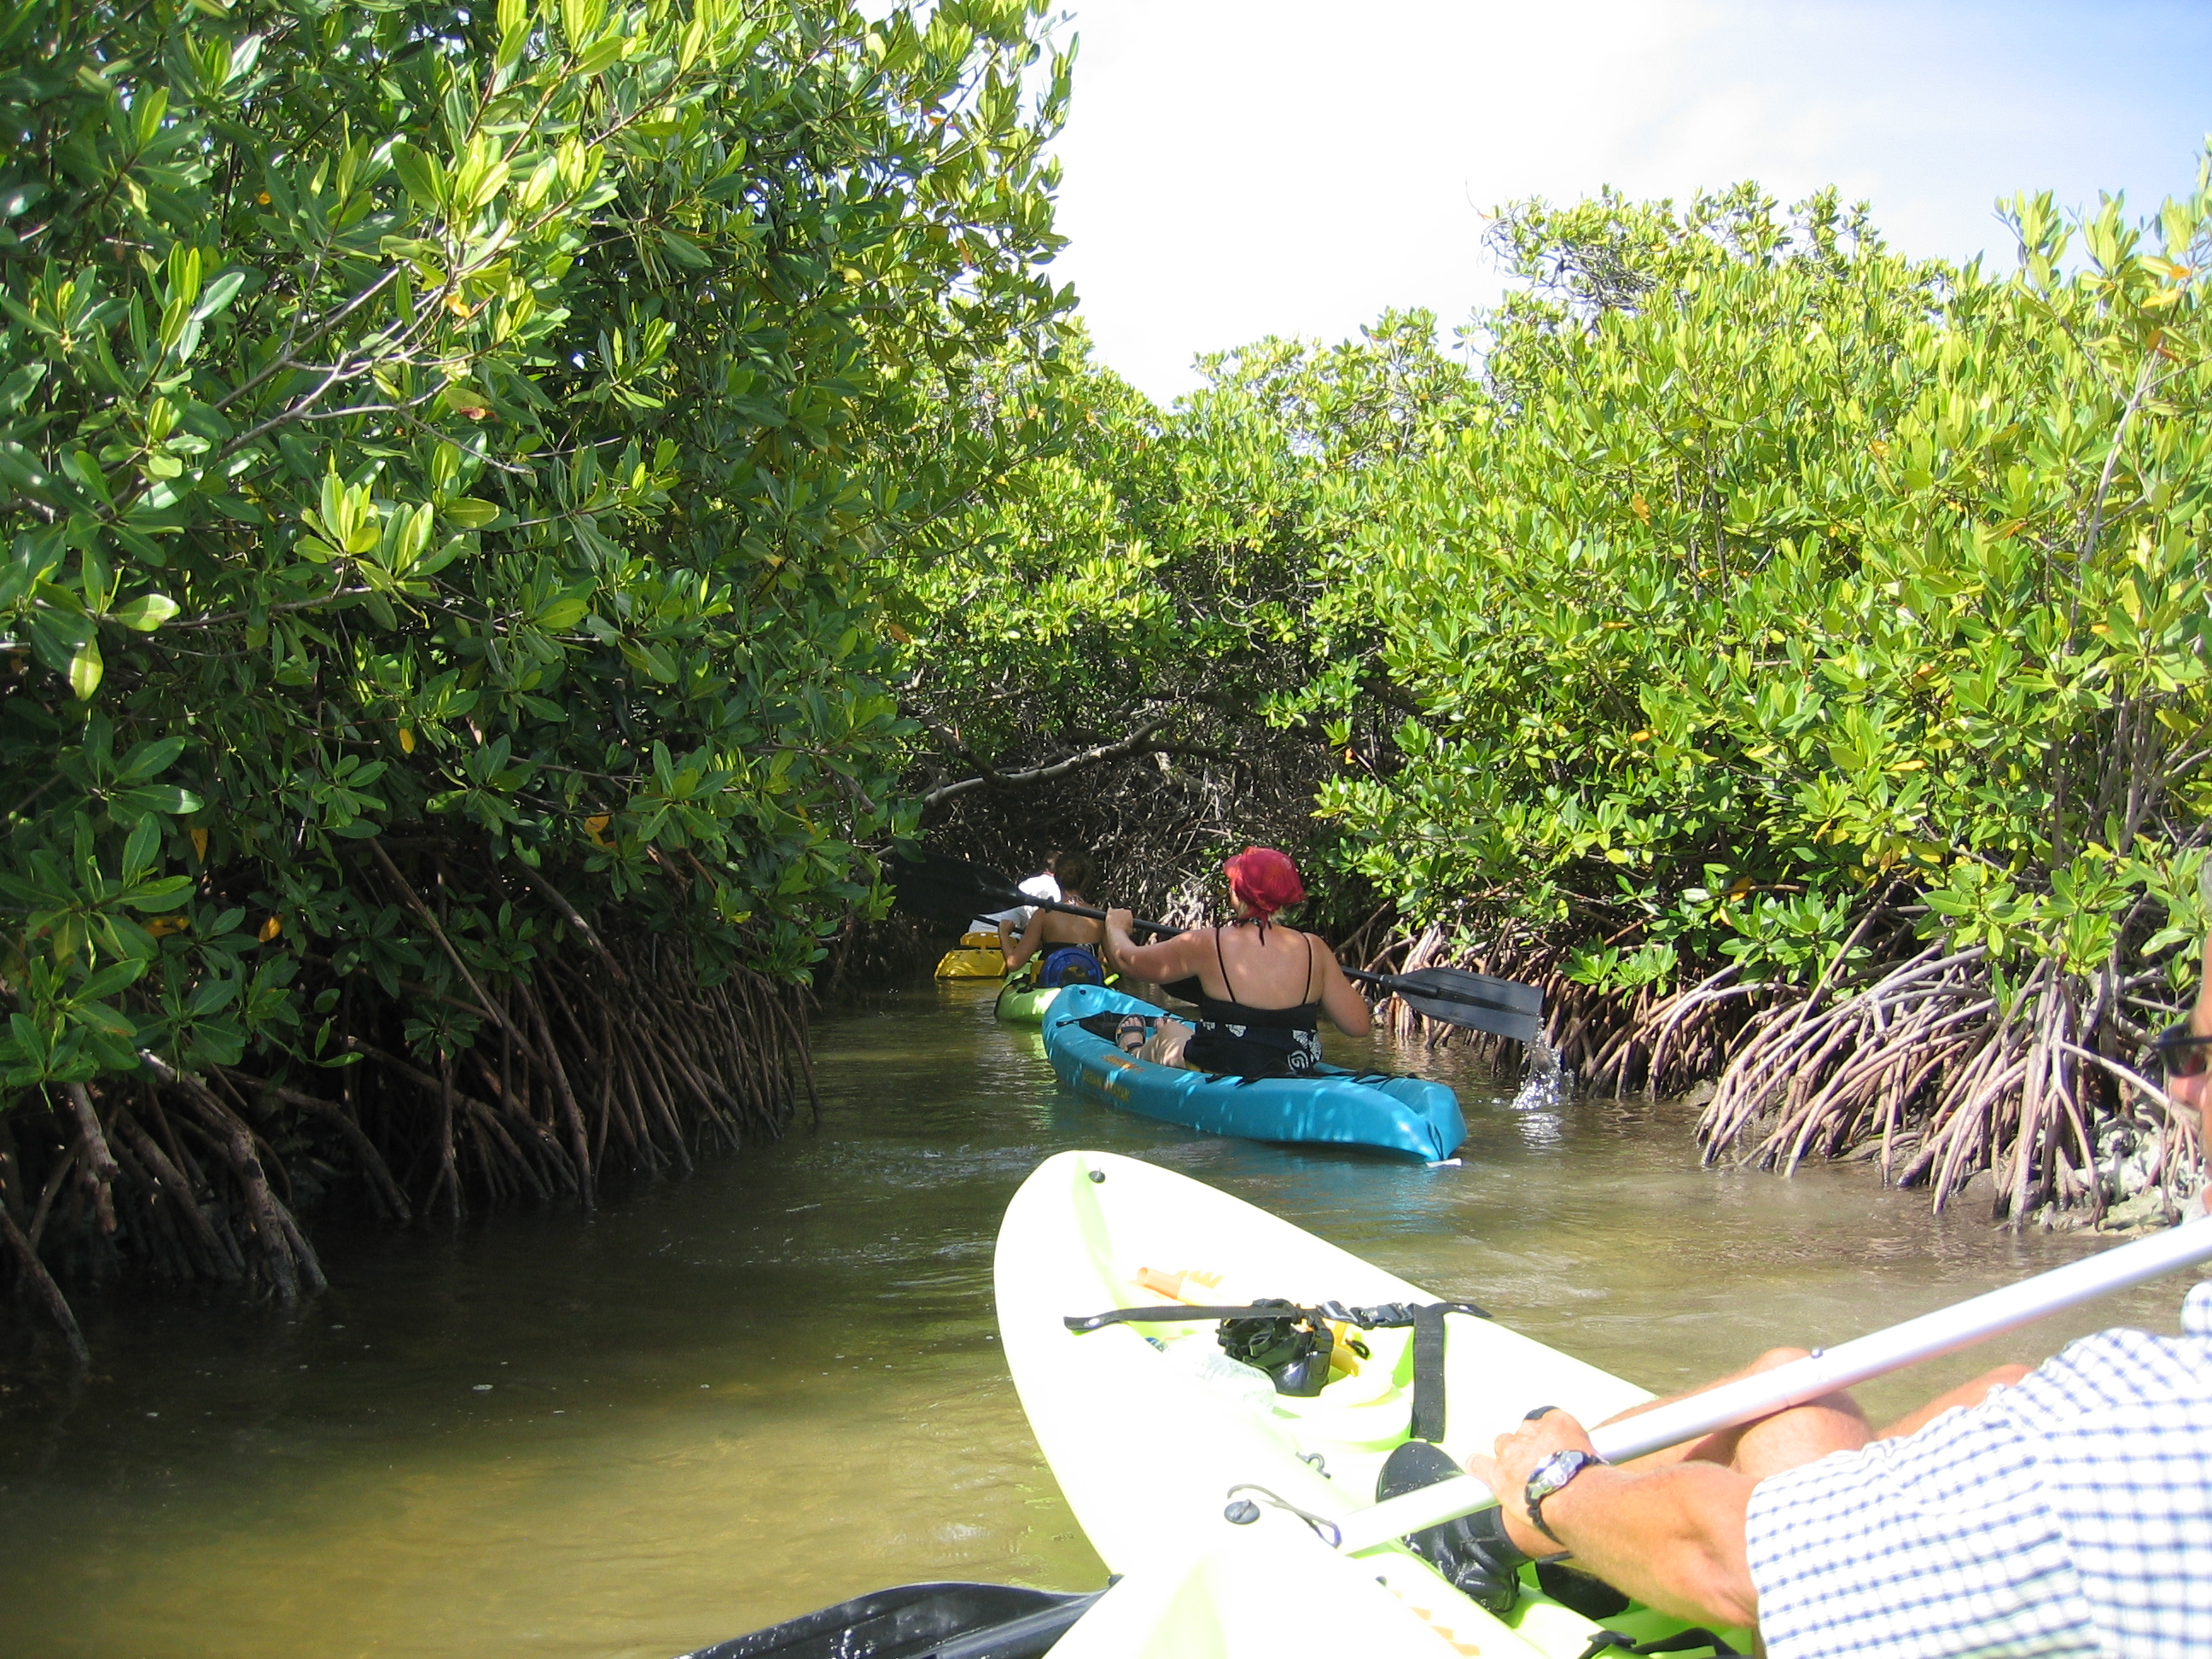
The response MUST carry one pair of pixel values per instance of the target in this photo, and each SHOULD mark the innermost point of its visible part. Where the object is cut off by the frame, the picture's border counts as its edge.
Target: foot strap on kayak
(1474, 1553)
(1385, 1316)
(1428, 1418)
(1682, 1641)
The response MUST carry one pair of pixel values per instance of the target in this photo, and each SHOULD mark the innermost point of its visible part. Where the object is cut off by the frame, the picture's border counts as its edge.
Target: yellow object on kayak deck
(978, 957)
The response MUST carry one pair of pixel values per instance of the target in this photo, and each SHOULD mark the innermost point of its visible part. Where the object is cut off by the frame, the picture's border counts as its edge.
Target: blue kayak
(1353, 1109)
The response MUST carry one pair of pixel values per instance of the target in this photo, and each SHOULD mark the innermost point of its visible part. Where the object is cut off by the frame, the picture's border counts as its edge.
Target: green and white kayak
(1021, 1001)
(1148, 1427)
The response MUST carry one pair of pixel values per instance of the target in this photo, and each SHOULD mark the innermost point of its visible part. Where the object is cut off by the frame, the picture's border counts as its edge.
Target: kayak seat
(1109, 1027)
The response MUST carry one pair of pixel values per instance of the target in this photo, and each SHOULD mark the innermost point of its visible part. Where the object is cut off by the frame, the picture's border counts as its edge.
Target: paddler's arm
(1671, 1537)
(1156, 963)
(1026, 946)
(1341, 1001)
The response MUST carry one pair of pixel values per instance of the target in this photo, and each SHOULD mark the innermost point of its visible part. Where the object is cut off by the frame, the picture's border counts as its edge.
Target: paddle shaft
(1823, 1372)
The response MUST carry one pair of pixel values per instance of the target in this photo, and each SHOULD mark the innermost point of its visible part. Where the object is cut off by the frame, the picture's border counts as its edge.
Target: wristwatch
(1549, 1476)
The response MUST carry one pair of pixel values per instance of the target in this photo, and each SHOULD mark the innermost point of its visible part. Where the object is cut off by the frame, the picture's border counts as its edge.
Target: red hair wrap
(1265, 879)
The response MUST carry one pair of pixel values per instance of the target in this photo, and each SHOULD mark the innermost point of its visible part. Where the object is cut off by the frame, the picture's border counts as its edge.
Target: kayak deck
(1146, 1434)
(1328, 1105)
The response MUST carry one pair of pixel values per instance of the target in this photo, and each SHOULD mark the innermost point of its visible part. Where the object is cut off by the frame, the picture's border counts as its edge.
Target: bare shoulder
(1324, 951)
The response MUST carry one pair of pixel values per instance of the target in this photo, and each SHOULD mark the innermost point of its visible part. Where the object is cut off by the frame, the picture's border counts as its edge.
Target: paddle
(919, 1621)
(953, 891)
(1822, 1371)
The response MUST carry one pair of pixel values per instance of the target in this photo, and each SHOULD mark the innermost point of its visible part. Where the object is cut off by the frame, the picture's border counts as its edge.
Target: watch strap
(1552, 1476)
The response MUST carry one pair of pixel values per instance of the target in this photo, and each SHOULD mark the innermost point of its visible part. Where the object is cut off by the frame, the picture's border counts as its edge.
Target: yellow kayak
(977, 956)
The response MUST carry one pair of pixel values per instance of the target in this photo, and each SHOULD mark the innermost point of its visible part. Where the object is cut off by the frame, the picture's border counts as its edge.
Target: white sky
(1236, 168)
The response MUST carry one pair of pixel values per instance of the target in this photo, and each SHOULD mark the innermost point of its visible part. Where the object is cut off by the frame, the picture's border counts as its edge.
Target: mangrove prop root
(42, 1283)
(97, 1162)
(1927, 1060)
(605, 1055)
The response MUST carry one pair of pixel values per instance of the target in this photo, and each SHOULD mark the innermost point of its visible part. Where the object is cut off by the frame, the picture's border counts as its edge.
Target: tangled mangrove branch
(1948, 1073)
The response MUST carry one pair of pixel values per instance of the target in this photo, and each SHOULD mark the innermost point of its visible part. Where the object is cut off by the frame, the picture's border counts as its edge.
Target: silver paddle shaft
(1822, 1371)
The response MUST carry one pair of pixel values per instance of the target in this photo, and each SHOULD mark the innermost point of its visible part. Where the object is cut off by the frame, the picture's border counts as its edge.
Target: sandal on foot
(1131, 1035)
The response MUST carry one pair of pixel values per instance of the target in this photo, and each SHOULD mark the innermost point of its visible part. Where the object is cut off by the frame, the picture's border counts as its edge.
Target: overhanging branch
(1138, 742)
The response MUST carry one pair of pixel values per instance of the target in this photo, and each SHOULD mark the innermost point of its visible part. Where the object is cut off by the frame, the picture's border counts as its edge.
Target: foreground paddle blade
(949, 891)
(1508, 994)
(1500, 1006)
(919, 1621)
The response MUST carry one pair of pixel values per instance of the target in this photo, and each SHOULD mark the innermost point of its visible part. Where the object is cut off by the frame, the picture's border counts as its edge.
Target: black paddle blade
(949, 891)
(1504, 1007)
(919, 1621)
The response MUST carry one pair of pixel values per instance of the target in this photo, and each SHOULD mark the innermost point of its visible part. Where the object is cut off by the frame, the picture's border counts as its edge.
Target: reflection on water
(726, 1400)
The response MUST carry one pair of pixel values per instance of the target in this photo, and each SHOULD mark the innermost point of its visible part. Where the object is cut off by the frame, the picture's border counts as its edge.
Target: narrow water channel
(725, 1399)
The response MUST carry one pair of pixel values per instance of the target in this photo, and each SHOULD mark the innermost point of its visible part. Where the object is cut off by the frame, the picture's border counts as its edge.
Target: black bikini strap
(1222, 963)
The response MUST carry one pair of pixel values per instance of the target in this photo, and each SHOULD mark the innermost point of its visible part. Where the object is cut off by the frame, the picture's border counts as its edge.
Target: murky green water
(726, 1400)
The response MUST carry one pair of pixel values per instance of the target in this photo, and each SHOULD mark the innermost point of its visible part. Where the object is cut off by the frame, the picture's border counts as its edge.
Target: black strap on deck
(1606, 1641)
(1385, 1316)
(1426, 1318)
(1428, 1422)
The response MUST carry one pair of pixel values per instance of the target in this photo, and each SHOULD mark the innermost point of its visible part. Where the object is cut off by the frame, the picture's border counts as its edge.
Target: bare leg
(1802, 1434)
(1164, 1046)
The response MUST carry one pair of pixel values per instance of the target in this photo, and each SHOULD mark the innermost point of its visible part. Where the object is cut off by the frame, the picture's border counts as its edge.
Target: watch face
(1555, 1471)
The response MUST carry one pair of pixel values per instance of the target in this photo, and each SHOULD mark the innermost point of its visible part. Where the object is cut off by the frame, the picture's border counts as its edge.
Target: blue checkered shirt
(2067, 1517)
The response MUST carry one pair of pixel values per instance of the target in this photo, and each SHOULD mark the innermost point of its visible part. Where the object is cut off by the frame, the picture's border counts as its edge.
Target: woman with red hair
(1262, 989)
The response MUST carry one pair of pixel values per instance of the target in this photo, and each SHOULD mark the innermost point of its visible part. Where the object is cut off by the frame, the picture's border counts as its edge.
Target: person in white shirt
(1008, 924)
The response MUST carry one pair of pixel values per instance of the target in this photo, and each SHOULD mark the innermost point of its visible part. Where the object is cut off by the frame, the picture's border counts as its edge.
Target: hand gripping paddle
(1822, 1371)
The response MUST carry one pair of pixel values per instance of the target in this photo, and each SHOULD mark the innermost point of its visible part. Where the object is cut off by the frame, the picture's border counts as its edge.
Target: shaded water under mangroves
(728, 1399)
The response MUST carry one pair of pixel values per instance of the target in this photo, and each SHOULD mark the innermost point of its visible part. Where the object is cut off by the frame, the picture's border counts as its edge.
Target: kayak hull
(919, 1621)
(1330, 1106)
(1147, 1443)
